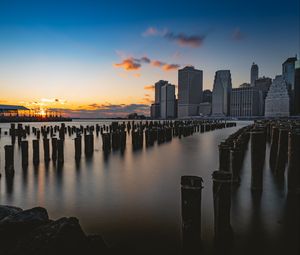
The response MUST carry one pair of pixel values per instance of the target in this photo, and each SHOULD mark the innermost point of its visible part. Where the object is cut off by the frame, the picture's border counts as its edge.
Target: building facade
(263, 85)
(168, 102)
(221, 93)
(278, 100)
(190, 86)
(297, 88)
(207, 96)
(253, 74)
(244, 102)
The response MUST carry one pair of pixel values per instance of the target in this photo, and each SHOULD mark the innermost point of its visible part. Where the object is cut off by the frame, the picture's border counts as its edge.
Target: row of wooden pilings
(284, 139)
(113, 138)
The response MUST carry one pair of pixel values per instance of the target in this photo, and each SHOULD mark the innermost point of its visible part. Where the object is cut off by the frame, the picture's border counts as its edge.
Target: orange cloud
(149, 87)
(129, 64)
(170, 67)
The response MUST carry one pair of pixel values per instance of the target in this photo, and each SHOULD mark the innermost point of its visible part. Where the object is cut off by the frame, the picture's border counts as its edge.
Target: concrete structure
(263, 85)
(168, 102)
(278, 100)
(221, 93)
(190, 86)
(253, 74)
(297, 88)
(244, 102)
(205, 109)
(207, 96)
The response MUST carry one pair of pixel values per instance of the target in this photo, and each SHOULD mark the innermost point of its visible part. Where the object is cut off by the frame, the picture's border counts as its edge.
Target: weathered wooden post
(282, 153)
(36, 152)
(224, 157)
(46, 149)
(89, 144)
(258, 147)
(60, 152)
(54, 148)
(24, 149)
(77, 142)
(294, 163)
(191, 189)
(274, 147)
(235, 164)
(222, 204)
(9, 161)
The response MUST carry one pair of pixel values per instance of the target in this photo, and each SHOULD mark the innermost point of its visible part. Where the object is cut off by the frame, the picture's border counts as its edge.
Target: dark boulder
(23, 222)
(6, 210)
(60, 237)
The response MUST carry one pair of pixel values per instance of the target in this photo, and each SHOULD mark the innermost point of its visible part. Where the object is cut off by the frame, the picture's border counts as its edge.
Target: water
(133, 199)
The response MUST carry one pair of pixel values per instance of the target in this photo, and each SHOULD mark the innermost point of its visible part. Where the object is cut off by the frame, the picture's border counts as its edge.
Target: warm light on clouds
(149, 87)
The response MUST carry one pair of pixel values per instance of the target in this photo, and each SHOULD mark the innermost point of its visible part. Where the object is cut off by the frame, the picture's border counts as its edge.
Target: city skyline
(96, 61)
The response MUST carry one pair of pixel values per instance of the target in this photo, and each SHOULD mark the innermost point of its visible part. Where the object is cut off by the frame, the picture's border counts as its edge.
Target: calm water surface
(133, 200)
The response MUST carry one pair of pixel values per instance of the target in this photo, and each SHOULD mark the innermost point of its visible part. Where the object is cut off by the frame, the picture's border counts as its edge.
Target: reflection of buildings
(168, 102)
(253, 74)
(190, 84)
(278, 100)
(244, 102)
(221, 93)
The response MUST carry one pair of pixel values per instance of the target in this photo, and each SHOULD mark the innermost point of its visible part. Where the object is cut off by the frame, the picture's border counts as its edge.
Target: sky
(92, 58)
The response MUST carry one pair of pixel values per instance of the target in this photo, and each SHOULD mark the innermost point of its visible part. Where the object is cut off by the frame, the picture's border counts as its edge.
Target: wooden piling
(36, 152)
(9, 161)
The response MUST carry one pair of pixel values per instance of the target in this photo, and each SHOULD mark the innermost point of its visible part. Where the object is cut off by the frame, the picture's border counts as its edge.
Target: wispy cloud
(132, 64)
(186, 40)
(181, 39)
(149, 87)
(237, 35)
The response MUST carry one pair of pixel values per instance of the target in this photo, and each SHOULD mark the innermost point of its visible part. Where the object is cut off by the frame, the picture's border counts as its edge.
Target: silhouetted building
(221, 93)
(158, 85)
(254, 74)
(263, 85)
(244, 102)
(278, 100)
(168, 102)
(297, 87)
(190, 86)
(155, 111)
(288, 73)
(205, 109)
(207, 96)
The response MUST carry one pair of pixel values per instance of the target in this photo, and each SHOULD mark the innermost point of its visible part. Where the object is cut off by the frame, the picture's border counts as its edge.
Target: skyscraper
(168, 102)
(155, 108)
(221, 93)
(254, 74)
(207, 96)
(190, 86)
(278, 100)
(288, 73)
(263, 85)
(297, 88)
(244, 102)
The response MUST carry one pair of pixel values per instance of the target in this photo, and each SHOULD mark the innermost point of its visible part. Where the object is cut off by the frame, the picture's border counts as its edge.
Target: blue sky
(69, 49)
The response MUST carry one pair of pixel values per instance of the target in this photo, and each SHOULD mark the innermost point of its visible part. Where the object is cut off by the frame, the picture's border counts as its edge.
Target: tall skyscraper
(254, 74)
(244, 102)
(297, 88)
(288, 73)
(190, 86)
(207, 96)
(155, 108)
(278, 100)
(168, 102)
(221, 93)
(263, 85)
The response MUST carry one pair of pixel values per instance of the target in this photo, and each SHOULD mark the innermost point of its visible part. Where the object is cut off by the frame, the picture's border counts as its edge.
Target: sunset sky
(100, 58)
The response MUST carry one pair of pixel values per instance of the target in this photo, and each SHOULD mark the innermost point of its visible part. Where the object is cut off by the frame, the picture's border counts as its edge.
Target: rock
(23, 222)
(6, 210)
(60, 237)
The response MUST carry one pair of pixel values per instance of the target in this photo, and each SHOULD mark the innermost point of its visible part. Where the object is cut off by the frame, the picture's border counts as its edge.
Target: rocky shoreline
(31, 232)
